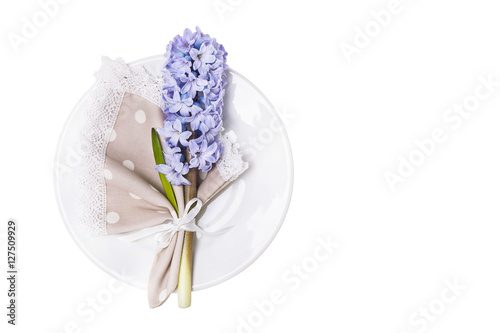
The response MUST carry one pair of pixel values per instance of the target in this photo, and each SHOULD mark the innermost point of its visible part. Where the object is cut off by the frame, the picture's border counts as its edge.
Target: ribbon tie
(166, 231)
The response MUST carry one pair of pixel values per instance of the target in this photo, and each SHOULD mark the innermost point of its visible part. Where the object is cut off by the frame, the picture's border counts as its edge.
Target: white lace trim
(113, 80)
(231, 164)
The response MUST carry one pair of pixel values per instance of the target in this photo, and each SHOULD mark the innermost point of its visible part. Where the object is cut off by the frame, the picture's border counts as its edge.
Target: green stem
(185, 283)
(159, 159)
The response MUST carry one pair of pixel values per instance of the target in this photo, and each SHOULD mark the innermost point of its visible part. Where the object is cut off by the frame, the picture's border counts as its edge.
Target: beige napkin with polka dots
(120, 189)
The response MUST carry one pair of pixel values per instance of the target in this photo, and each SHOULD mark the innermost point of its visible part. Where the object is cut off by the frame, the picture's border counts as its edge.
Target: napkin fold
(120, 191)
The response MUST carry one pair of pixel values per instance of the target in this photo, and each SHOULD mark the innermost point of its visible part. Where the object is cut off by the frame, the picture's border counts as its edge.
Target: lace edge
(231, 164)
(113, 80)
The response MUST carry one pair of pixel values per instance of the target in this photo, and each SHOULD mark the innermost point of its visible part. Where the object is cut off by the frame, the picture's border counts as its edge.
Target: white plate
(258, 200)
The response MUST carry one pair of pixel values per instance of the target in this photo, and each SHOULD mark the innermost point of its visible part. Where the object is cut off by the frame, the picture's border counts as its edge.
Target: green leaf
(159, 159)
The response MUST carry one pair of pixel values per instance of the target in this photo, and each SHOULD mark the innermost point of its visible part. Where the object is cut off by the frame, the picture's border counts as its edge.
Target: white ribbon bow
(166, 231)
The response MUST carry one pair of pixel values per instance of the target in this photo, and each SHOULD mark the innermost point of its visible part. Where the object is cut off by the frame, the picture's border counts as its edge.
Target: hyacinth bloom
(195, 78)
(210, 128)
(193, 84)
(202, 57)
(185, 42)
(203, 155)
(178, 104)
(173, 130)
(175, 170)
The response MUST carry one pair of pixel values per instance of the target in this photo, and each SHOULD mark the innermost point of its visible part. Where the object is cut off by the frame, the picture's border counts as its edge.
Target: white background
(352, 121)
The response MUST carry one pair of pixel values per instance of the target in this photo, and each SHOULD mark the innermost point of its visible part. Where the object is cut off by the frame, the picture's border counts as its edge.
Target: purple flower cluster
(195, 78)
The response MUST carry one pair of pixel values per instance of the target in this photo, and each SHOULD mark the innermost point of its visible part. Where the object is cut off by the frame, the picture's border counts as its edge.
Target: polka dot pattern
(135, 196)
(107, 174)
(112, 217)
(112, 136)
(163, 296)
(140, 116)
(129, 165)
